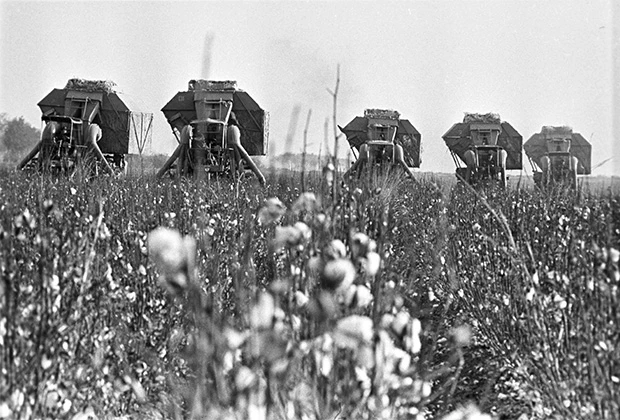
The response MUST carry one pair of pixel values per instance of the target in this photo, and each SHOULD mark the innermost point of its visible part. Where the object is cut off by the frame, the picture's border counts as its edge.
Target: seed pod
(335, 250)
(338, 274)
(272, 211)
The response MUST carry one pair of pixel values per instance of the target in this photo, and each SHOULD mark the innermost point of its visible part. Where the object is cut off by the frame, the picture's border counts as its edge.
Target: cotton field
(379, 298)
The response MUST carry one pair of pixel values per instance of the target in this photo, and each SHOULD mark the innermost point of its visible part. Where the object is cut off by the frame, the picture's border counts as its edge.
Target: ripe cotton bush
(437, 299)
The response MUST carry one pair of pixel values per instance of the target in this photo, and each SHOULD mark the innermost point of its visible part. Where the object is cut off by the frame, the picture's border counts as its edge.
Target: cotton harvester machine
(483, 148)
(558, 155)
(382, 140)
(218, 128)
(87, 124)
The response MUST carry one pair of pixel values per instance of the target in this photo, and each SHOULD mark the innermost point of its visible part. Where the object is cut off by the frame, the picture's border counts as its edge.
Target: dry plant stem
(203, 337)
(303, 156)
(87, 265)
(43, 322)
(457, 375)
(334, 95)
(377, 282)
(8, 350)
(91, 253)
(241, 278)
(326, 135)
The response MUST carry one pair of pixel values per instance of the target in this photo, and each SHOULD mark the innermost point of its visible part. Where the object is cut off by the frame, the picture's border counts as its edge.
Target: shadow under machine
(88, 124)
(218, 128)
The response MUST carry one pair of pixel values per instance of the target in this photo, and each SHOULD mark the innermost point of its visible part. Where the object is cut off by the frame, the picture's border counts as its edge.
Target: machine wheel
(538, 180)
(471, 175)
(502, 177)
(572, 179)
(545, 178)
(462, 175)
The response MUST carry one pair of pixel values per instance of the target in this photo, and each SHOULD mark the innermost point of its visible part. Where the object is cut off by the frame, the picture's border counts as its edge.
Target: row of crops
(381, 298)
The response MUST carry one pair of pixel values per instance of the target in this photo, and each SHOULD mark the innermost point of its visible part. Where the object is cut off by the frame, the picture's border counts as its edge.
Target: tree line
(17, 138)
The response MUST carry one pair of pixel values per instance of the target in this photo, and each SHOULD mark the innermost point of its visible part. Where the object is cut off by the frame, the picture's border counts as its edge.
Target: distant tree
(3, 120)
(17, 137)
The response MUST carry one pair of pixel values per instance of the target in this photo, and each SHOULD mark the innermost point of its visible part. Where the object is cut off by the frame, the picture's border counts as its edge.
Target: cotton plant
(232, 366)
(272, 347)
(334, 301)
(319, 339)
(174, 256)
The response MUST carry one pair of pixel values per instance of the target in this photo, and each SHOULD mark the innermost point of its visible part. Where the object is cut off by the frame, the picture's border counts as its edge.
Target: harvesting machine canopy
(560, 139)
(88, 119)
(385, 125)
(211, 141)
(210, 99)
(125, 127)
(482, 130)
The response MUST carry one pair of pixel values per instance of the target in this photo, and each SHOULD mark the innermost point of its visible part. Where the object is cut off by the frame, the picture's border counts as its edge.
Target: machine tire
(502, 179)
(544, 181)
(572, 179)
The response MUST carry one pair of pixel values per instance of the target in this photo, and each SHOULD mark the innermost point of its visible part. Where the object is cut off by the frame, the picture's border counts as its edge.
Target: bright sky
(534, 62)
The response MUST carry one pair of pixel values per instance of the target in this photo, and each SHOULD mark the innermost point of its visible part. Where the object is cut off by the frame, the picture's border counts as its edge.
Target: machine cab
(558, 145)
(485, 134)
(378, 131)
(557, 139)
(382, 125)
(83, 105)
(484, 138)
(210, 126)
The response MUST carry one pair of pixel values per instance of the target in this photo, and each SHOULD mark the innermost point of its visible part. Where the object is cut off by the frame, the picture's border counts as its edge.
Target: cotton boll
(174, 256)
(335, 249)
(363, 296)
(262, 313)
(371, 263)
(338, 274)
(272, 211)
(305, 202)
